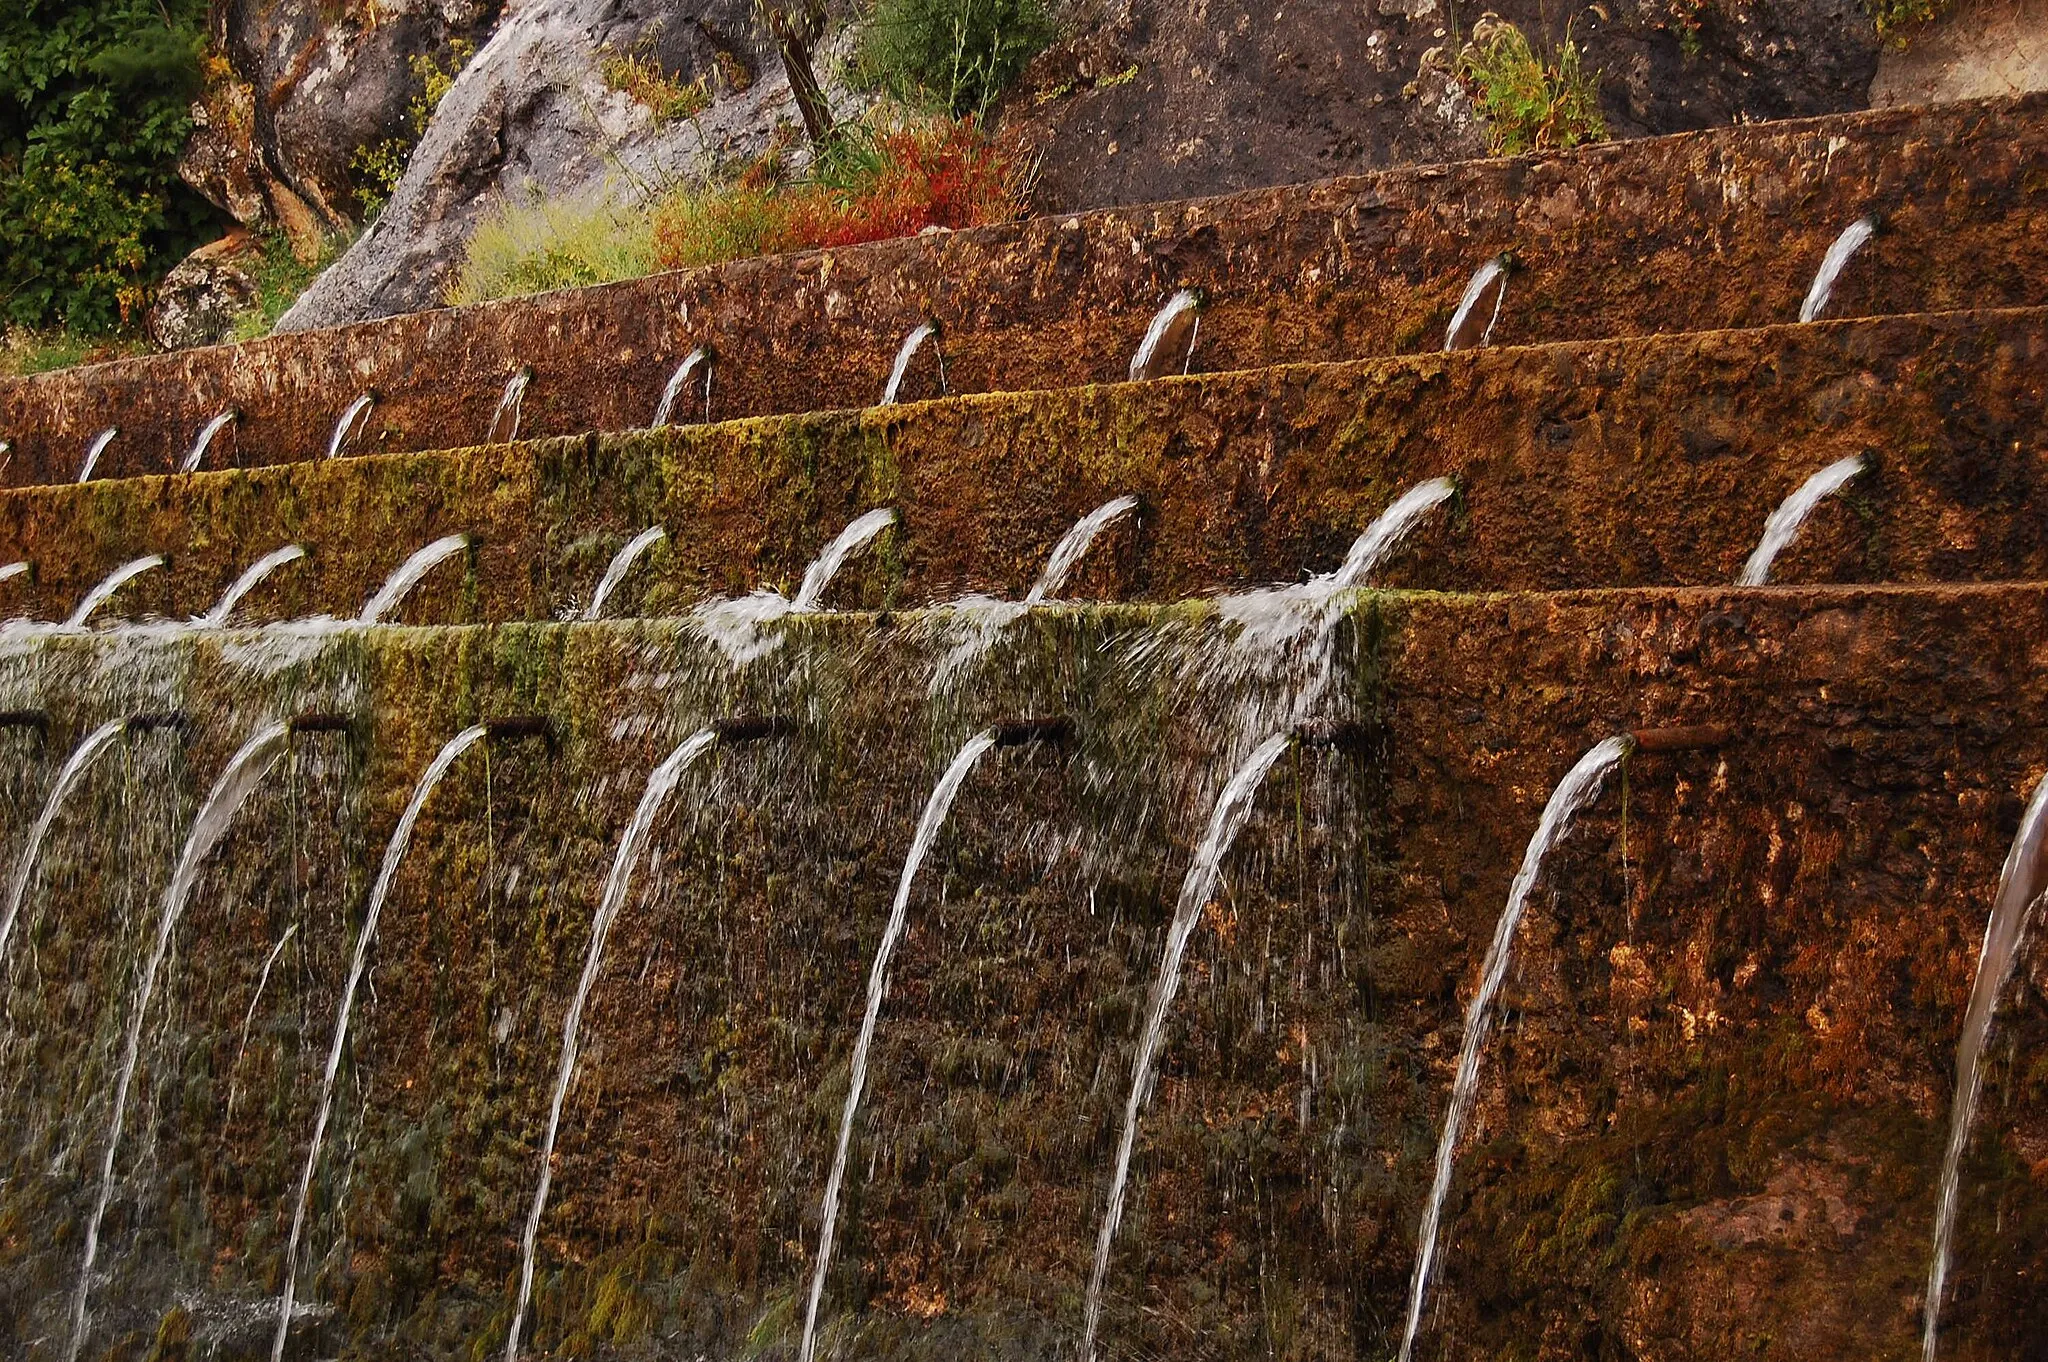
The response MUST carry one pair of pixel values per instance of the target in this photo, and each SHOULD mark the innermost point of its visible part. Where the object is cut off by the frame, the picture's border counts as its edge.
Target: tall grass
(535, 247)
(1531, 104)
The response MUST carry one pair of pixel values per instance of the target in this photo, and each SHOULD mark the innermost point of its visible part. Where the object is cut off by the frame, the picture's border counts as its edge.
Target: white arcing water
(346, 429)
(1572, 794)
(1784, 523)
(664, 410)
(622, 563)
(1846, 245)
(505, 420)
(1233, 810)
(851, 540)
(906, 352)
(10, 571)
(74, 770)
(205, 440)
(1074, 545)
(394, 852)
(401, 582)
(632, 845)
(217, 617)
(111, 583)
(1491, 275)
(1180, 319)
(94, 450)
(2021, 885)
(935, 810)
(244, 772)
(737, 626)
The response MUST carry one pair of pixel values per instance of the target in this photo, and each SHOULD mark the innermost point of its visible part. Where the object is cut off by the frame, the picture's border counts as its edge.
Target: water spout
(1465, 330)
(505, 420)
(1180, 321)
(401, 582)
(826, 566)
(622, 563)
(935, 810)
(111, 583)
(12, 570)
(94, 450)
(81, 759)
(1784, 523)
(1233, 810)
(217, 617)
(394, 852)
(349, 426)
(701, 357)
(2021, 884)
(1831, 265)
(912, 343)
(1074, 545)
(205, 440)
(632, 844)
(1572, 794)
(244, 772)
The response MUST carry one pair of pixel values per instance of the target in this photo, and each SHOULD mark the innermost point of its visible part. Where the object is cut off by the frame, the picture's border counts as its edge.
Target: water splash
(2021, 885)
(81, 760)
(111, 583)
(217, 617)
(1572, 794)
(1491, 275)
(622, 563)
(1180, 320)
(739, 626)
(935, 811)
(906, 352)
(394, 852)
(94, 450)
(632, 844)
(1784, 523)
(205, 440)
(677, 381)
(1831, 265)
(1074, 545)
(1233, 810)
(401, 582)
(244, 772)
(349, 426)
(505, 420)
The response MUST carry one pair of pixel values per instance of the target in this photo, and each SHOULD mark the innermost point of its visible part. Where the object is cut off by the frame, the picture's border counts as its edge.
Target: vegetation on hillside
(376, 170)
(1899, 20)
(951, 56)
(95, 99)
(1530, 103)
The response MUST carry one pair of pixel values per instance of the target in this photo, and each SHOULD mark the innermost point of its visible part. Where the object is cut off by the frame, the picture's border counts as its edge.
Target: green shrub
(376, 169)
(526, 248)
(951, 55)
(1530, 104)
(1898, 20)
(95, 99)
(641, 77)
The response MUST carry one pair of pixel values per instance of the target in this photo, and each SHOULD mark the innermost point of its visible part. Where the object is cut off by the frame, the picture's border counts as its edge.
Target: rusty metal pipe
(1057, 730)
(321, 723)
(150, 723)
(752, 727)
(1346, 735)
(524, 728)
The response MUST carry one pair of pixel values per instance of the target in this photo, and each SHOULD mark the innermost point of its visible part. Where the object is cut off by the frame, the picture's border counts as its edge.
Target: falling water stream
(401, 582)
(12, 570)
(1831, 265)
(935, 810)
(205, 440)
(632, 844)
(1572, 794)
(111, 583)
(244, 772)
(75, 767)
(345, 429)
(217, 617)
(1459, 334)
(2021, 885)
(736, 625)
(851, 540)
(905, 353)
(664, 410)
(1784, 523)
(1074, 545)
(505, 420)
(1233, 809)
(1180, 319)
(622, 563)
(394, 852)
(94, 450)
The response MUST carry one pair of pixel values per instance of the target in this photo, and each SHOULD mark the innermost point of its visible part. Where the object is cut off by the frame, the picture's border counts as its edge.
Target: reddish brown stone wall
(1707, 230)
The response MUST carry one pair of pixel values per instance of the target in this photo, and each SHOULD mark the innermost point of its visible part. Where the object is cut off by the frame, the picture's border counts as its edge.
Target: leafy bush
(951, 55)
(95, 100)
(1898, 20)
(553, 243)
(1530, 104)
(377, 169)
(642, 78)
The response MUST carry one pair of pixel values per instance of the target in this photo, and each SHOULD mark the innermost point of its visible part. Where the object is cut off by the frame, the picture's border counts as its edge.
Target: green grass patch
(1530, 103)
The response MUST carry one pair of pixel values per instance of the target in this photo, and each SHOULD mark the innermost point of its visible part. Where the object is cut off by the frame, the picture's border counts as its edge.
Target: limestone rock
(198, 300)
(1981, 49)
